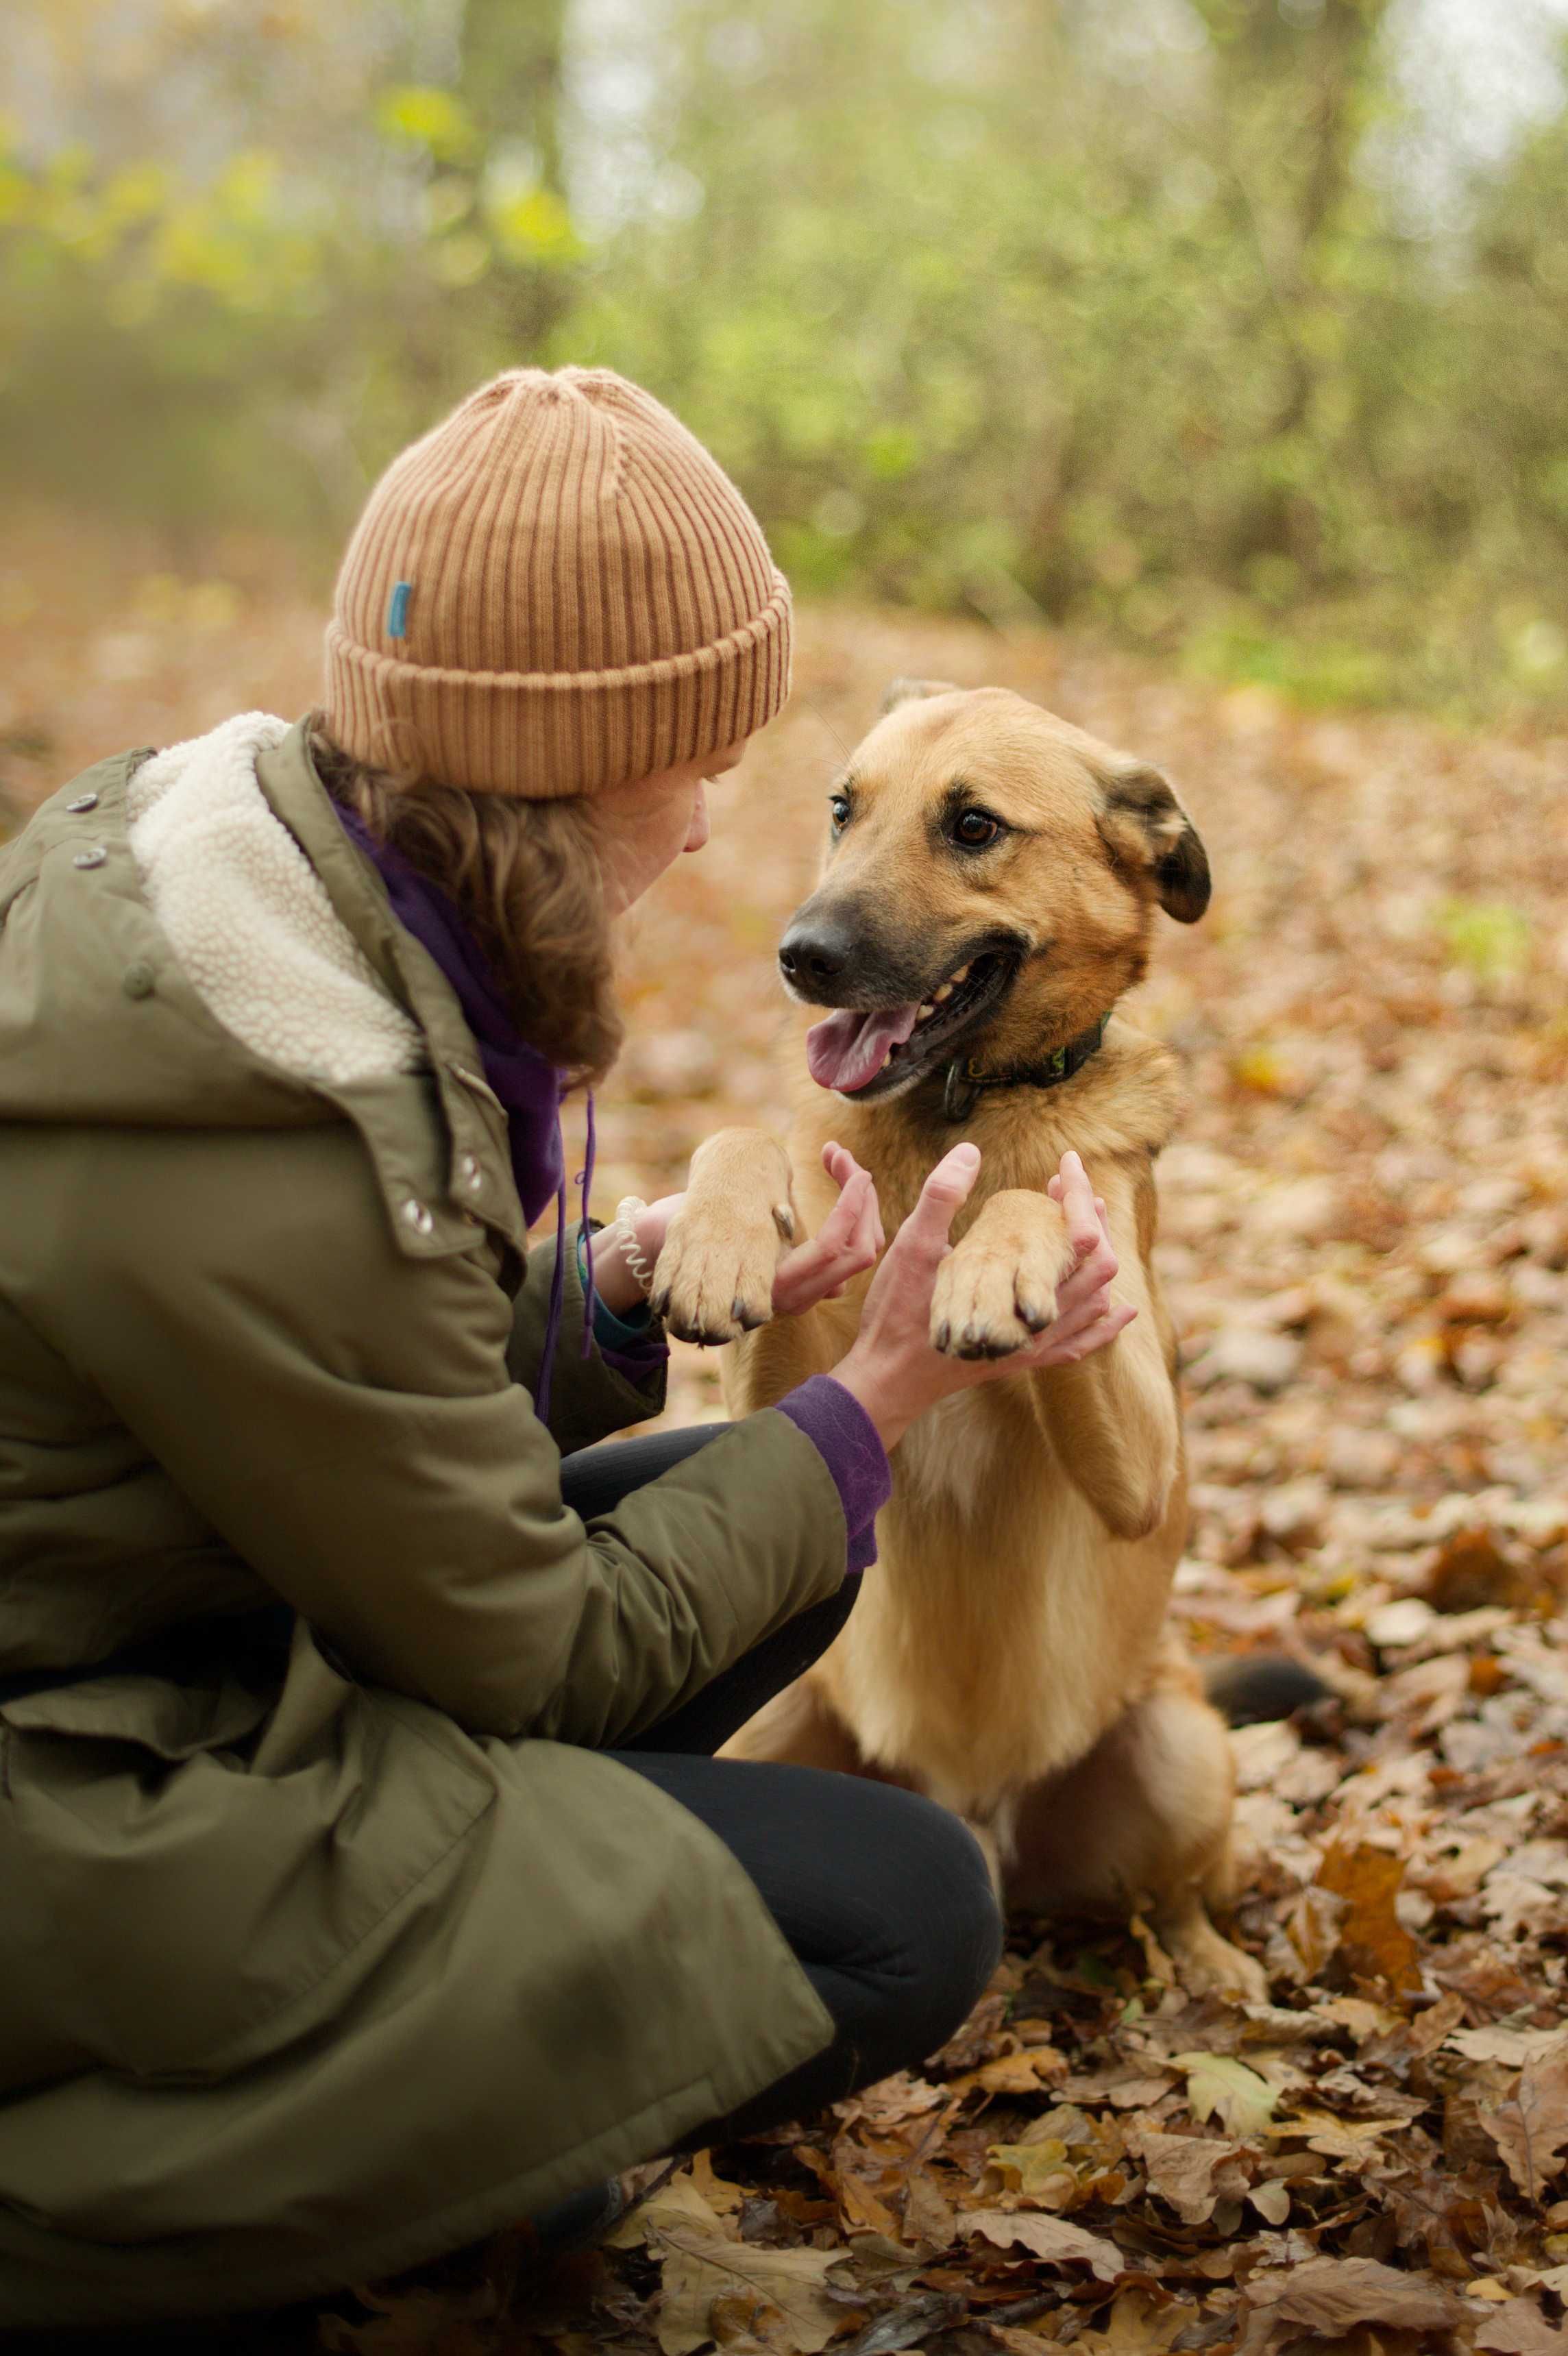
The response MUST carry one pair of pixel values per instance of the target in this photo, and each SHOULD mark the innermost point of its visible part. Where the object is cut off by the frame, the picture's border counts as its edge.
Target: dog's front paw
(997, 1288)
(713, 1281)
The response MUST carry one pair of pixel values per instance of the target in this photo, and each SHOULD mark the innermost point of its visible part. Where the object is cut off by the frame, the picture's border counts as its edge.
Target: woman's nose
(698, 832)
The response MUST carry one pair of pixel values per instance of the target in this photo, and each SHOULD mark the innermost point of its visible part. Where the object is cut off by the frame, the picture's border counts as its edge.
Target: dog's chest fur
(994, 1643)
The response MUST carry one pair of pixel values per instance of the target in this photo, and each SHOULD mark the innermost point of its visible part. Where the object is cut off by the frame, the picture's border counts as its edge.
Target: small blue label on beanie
(397, 610)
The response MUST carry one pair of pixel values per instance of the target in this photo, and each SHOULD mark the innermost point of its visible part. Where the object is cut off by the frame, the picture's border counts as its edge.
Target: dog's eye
(838, 810)
(975, 828)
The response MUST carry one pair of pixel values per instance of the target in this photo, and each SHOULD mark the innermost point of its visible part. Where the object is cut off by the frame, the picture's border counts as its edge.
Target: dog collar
(963, 1084)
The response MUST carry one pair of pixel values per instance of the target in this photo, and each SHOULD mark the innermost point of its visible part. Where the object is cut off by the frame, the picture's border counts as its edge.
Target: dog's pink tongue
(848, 1050)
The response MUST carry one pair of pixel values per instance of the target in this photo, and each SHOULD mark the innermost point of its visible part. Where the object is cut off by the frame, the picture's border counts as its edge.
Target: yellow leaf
(1219, 2087)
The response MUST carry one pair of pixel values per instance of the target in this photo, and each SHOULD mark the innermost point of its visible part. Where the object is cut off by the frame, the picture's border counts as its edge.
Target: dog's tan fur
(1010, 1655)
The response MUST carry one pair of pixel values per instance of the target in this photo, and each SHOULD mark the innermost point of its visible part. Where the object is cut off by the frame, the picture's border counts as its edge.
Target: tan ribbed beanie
(554, 591)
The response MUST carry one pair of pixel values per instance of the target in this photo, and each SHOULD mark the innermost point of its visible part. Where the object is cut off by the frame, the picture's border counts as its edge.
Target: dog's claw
(749, 1319)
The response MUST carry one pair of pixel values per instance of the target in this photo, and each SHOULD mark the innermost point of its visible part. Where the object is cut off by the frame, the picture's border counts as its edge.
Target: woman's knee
(927, 1889)
(955, 1923)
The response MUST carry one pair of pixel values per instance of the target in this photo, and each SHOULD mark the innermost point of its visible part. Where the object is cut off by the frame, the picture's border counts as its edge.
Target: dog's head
(988, 890)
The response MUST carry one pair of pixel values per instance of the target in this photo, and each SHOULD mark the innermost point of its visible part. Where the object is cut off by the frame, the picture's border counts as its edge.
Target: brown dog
(988, 896)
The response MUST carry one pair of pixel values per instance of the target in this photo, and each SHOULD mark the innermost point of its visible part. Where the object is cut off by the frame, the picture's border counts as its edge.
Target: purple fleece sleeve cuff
(846, 1440)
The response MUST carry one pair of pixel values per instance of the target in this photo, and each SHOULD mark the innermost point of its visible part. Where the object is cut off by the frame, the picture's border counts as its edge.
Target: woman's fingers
(924, 1234)
(1077, 1198)
(848, 1240)
(1070, 1349)
(1090, 1276)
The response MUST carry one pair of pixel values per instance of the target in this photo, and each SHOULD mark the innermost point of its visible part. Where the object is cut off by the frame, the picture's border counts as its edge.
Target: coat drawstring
(558, 1275)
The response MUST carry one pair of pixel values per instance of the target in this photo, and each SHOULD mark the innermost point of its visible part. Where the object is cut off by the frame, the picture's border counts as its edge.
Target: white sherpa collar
(249, 919)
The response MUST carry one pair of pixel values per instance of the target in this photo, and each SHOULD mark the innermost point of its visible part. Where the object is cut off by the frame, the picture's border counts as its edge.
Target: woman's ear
(1147, 828)
(909, 690)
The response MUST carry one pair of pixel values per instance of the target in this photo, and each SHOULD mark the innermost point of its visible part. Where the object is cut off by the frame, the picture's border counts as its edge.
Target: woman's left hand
(849, 1240)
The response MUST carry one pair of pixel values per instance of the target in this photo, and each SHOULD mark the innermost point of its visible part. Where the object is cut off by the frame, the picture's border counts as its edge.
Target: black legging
(884, 1896)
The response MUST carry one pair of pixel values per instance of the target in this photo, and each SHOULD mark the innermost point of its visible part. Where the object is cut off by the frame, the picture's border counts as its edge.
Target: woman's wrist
(858, 1375)
(615, 1281)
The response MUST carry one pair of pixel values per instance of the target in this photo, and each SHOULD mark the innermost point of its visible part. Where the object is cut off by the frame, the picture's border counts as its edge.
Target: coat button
(472, 1175)
(82, 802)
(94, 858)
(418, 1217)
(139, 981)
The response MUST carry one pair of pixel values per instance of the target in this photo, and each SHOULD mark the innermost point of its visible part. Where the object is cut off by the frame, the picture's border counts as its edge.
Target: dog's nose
(811, 955)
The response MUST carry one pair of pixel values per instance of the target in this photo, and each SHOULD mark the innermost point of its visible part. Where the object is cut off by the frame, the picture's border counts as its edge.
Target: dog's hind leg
(1145, 1818)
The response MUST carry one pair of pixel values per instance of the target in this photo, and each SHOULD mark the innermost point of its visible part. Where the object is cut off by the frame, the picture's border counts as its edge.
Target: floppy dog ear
(1147, 829)
(908, 691)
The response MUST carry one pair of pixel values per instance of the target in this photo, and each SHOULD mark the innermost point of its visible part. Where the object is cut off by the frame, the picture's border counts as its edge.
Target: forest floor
(1365, 1244)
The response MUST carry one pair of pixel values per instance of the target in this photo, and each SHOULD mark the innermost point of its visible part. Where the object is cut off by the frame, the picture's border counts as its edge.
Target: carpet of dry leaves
(1365, 1239)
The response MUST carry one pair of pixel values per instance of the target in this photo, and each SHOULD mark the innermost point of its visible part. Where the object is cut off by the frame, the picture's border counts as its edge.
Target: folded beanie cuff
(544, 735)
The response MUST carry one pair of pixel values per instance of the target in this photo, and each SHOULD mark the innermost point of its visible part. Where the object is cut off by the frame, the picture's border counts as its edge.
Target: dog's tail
(1250, 1687)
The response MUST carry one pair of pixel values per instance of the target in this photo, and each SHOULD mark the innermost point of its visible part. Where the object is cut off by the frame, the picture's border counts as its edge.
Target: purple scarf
(528, 1087)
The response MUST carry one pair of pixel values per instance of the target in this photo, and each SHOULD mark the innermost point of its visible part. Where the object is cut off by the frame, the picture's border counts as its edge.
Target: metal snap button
(418, 1217)
(82, 802)
(139, 981)
(94, 858)
(472, 1175)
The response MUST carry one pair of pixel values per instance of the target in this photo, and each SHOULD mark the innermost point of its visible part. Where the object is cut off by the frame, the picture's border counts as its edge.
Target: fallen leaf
(892, 2100)
(1014, 2073)
(928, 2213)
(700, 2270)
(1140, 2323)
(1531, 2129)
(677, 2202)
(1330, 2297)
(1519, 2328)
(862, 2211)
(1434, 2027)
(1336, 2138)
(1192, 2172)
(1050, 2239)
(1220, 2087)
(1038, 2172)
(1375, 1943)
(1513, 2046)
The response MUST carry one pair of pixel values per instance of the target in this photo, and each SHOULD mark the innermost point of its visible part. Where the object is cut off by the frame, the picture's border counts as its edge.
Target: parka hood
(102, 1023)
(98, 1023)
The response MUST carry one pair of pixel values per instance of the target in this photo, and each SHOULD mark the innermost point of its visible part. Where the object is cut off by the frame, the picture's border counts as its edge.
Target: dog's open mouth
(860, 1052)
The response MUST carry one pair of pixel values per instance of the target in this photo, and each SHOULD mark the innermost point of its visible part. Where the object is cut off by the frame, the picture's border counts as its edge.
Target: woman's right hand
(891, 1367)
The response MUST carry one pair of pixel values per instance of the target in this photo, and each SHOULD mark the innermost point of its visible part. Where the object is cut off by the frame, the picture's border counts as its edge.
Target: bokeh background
(1231, 329)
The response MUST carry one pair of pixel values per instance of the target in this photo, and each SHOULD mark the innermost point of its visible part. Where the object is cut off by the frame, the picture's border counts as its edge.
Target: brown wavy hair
(526, 874)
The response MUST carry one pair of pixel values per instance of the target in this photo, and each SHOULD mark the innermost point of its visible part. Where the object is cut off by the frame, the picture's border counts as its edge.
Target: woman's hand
(892, 1369)
(850, 1240)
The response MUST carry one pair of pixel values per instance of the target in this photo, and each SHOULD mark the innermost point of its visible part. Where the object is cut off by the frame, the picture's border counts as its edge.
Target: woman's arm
(343, 1416)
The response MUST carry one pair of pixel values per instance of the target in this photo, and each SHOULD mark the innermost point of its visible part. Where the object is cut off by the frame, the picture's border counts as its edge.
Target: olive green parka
(312, 1971)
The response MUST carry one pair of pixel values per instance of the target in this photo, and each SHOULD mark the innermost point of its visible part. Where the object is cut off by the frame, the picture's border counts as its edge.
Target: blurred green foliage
(1135, 315)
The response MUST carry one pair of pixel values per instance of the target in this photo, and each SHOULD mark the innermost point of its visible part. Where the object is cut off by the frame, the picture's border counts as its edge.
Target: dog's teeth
(926, 1010)
(962, 975)
(944, 994)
